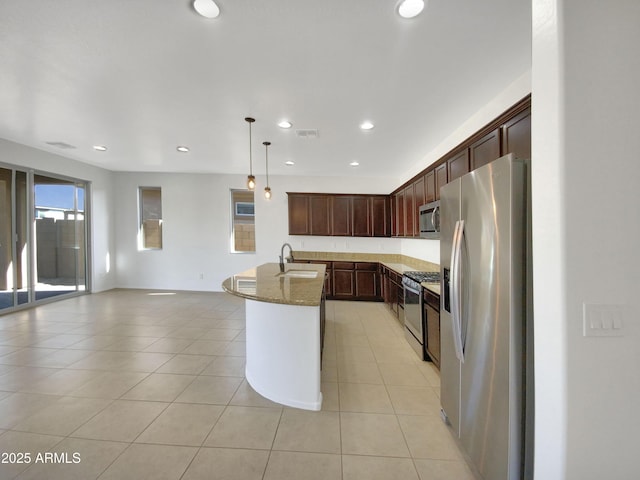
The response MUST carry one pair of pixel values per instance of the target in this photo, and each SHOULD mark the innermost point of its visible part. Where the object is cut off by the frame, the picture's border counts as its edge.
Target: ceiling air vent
(62, 145)
(307, 133)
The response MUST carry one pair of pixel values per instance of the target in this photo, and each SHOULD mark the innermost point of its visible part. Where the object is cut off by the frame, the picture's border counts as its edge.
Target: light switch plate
(600, 320)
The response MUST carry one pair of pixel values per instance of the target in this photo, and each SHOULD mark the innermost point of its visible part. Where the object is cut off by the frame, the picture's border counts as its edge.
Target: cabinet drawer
(343, 266)
(431, 299)
(367, 266)
(322, 262)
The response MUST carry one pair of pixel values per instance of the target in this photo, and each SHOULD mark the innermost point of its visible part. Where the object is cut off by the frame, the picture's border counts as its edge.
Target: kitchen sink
(298, 274)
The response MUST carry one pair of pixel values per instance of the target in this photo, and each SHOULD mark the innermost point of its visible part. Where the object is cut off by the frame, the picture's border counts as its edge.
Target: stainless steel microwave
(430, 220)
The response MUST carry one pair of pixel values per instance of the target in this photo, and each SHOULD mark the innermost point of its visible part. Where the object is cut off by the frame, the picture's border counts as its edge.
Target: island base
(283, 353)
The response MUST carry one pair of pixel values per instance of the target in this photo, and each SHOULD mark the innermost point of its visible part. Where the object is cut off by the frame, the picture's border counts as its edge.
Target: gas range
(413, 279)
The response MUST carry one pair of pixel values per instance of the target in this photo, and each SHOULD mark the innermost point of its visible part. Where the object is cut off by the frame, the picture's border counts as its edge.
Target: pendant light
(267, 189)
(251, 180)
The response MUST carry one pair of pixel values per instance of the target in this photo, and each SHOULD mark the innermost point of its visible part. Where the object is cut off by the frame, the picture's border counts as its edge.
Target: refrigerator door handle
(456, 281)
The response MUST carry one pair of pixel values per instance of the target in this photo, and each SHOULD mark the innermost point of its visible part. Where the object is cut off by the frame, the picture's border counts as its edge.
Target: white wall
(586, 177)
(102, 213)
(196, 227)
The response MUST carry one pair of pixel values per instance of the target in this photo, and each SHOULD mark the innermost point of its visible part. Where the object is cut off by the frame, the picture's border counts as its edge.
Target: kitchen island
(284, 330)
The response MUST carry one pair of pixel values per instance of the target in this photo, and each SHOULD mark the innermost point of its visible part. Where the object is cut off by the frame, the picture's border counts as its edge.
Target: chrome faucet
(282, 258)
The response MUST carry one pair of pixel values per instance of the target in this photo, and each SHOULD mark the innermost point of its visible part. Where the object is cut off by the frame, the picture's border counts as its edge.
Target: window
(150, 226)
(243, 231)
(244, 209)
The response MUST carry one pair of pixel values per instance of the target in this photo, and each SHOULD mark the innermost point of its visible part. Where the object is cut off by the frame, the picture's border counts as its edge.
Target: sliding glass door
(42, 237)
(59, 236)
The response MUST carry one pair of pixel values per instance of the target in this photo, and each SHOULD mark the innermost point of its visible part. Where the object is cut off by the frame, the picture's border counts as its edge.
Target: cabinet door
(441, 178)
(384, 283)
(485, 150)
(419, 192)
(319, 208)
(400, 214)
(380, 217)
(409, 211)
(343, 280)
(298, 214)
(367, 281)
(458, 165)
(418, 200)
(516, 135)
(361, 216)
(394, 217)
(367, 287)
(341, 216)
(430, 187)
(433, 334)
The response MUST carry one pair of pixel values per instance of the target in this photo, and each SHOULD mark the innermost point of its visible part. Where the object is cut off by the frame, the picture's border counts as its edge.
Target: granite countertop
(399, 267)
(265, 284)
(433, 287)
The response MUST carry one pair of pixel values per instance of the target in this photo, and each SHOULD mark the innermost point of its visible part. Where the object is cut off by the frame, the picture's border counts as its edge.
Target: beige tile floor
(141, 384)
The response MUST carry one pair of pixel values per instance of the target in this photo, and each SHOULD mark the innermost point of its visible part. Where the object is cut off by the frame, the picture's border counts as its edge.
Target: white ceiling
(144, 76)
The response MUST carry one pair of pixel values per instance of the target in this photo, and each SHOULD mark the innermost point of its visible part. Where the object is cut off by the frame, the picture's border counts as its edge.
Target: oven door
(414, 331)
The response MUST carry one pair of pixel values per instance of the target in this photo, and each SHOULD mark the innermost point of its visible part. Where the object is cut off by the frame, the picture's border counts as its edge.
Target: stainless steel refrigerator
(486, 329)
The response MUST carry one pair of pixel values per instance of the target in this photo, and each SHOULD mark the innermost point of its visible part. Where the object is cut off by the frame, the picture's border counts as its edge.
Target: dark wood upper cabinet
(516, 135)
(458, 165)
(341, 216)
(418, 200)
(485, 150)
(419, 191)
(319, 215)
(400, 214)
(430, 186)
(298, 214)
(441, 178)
(394, 219)
(361, 217)
(380, 216)
(409, 211)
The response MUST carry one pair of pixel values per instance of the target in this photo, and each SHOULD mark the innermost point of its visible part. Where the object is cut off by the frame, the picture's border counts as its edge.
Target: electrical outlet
(202, 276)
(603, 320)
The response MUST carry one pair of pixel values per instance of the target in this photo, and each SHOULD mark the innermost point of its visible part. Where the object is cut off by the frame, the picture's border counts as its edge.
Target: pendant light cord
(250, 156)
(266, 156)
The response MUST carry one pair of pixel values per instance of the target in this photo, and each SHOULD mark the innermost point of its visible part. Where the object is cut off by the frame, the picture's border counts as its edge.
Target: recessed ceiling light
(182, 149)
(366, 125)
(100, 148)
(285, 124)
(354, 164)
(289, 163)
(410, 8)
(206, 8)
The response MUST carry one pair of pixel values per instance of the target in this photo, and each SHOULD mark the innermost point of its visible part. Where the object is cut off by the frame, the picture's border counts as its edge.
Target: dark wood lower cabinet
(343, 281)
(351, 280)
(432, 317)
(367, 281)
(393, 291)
